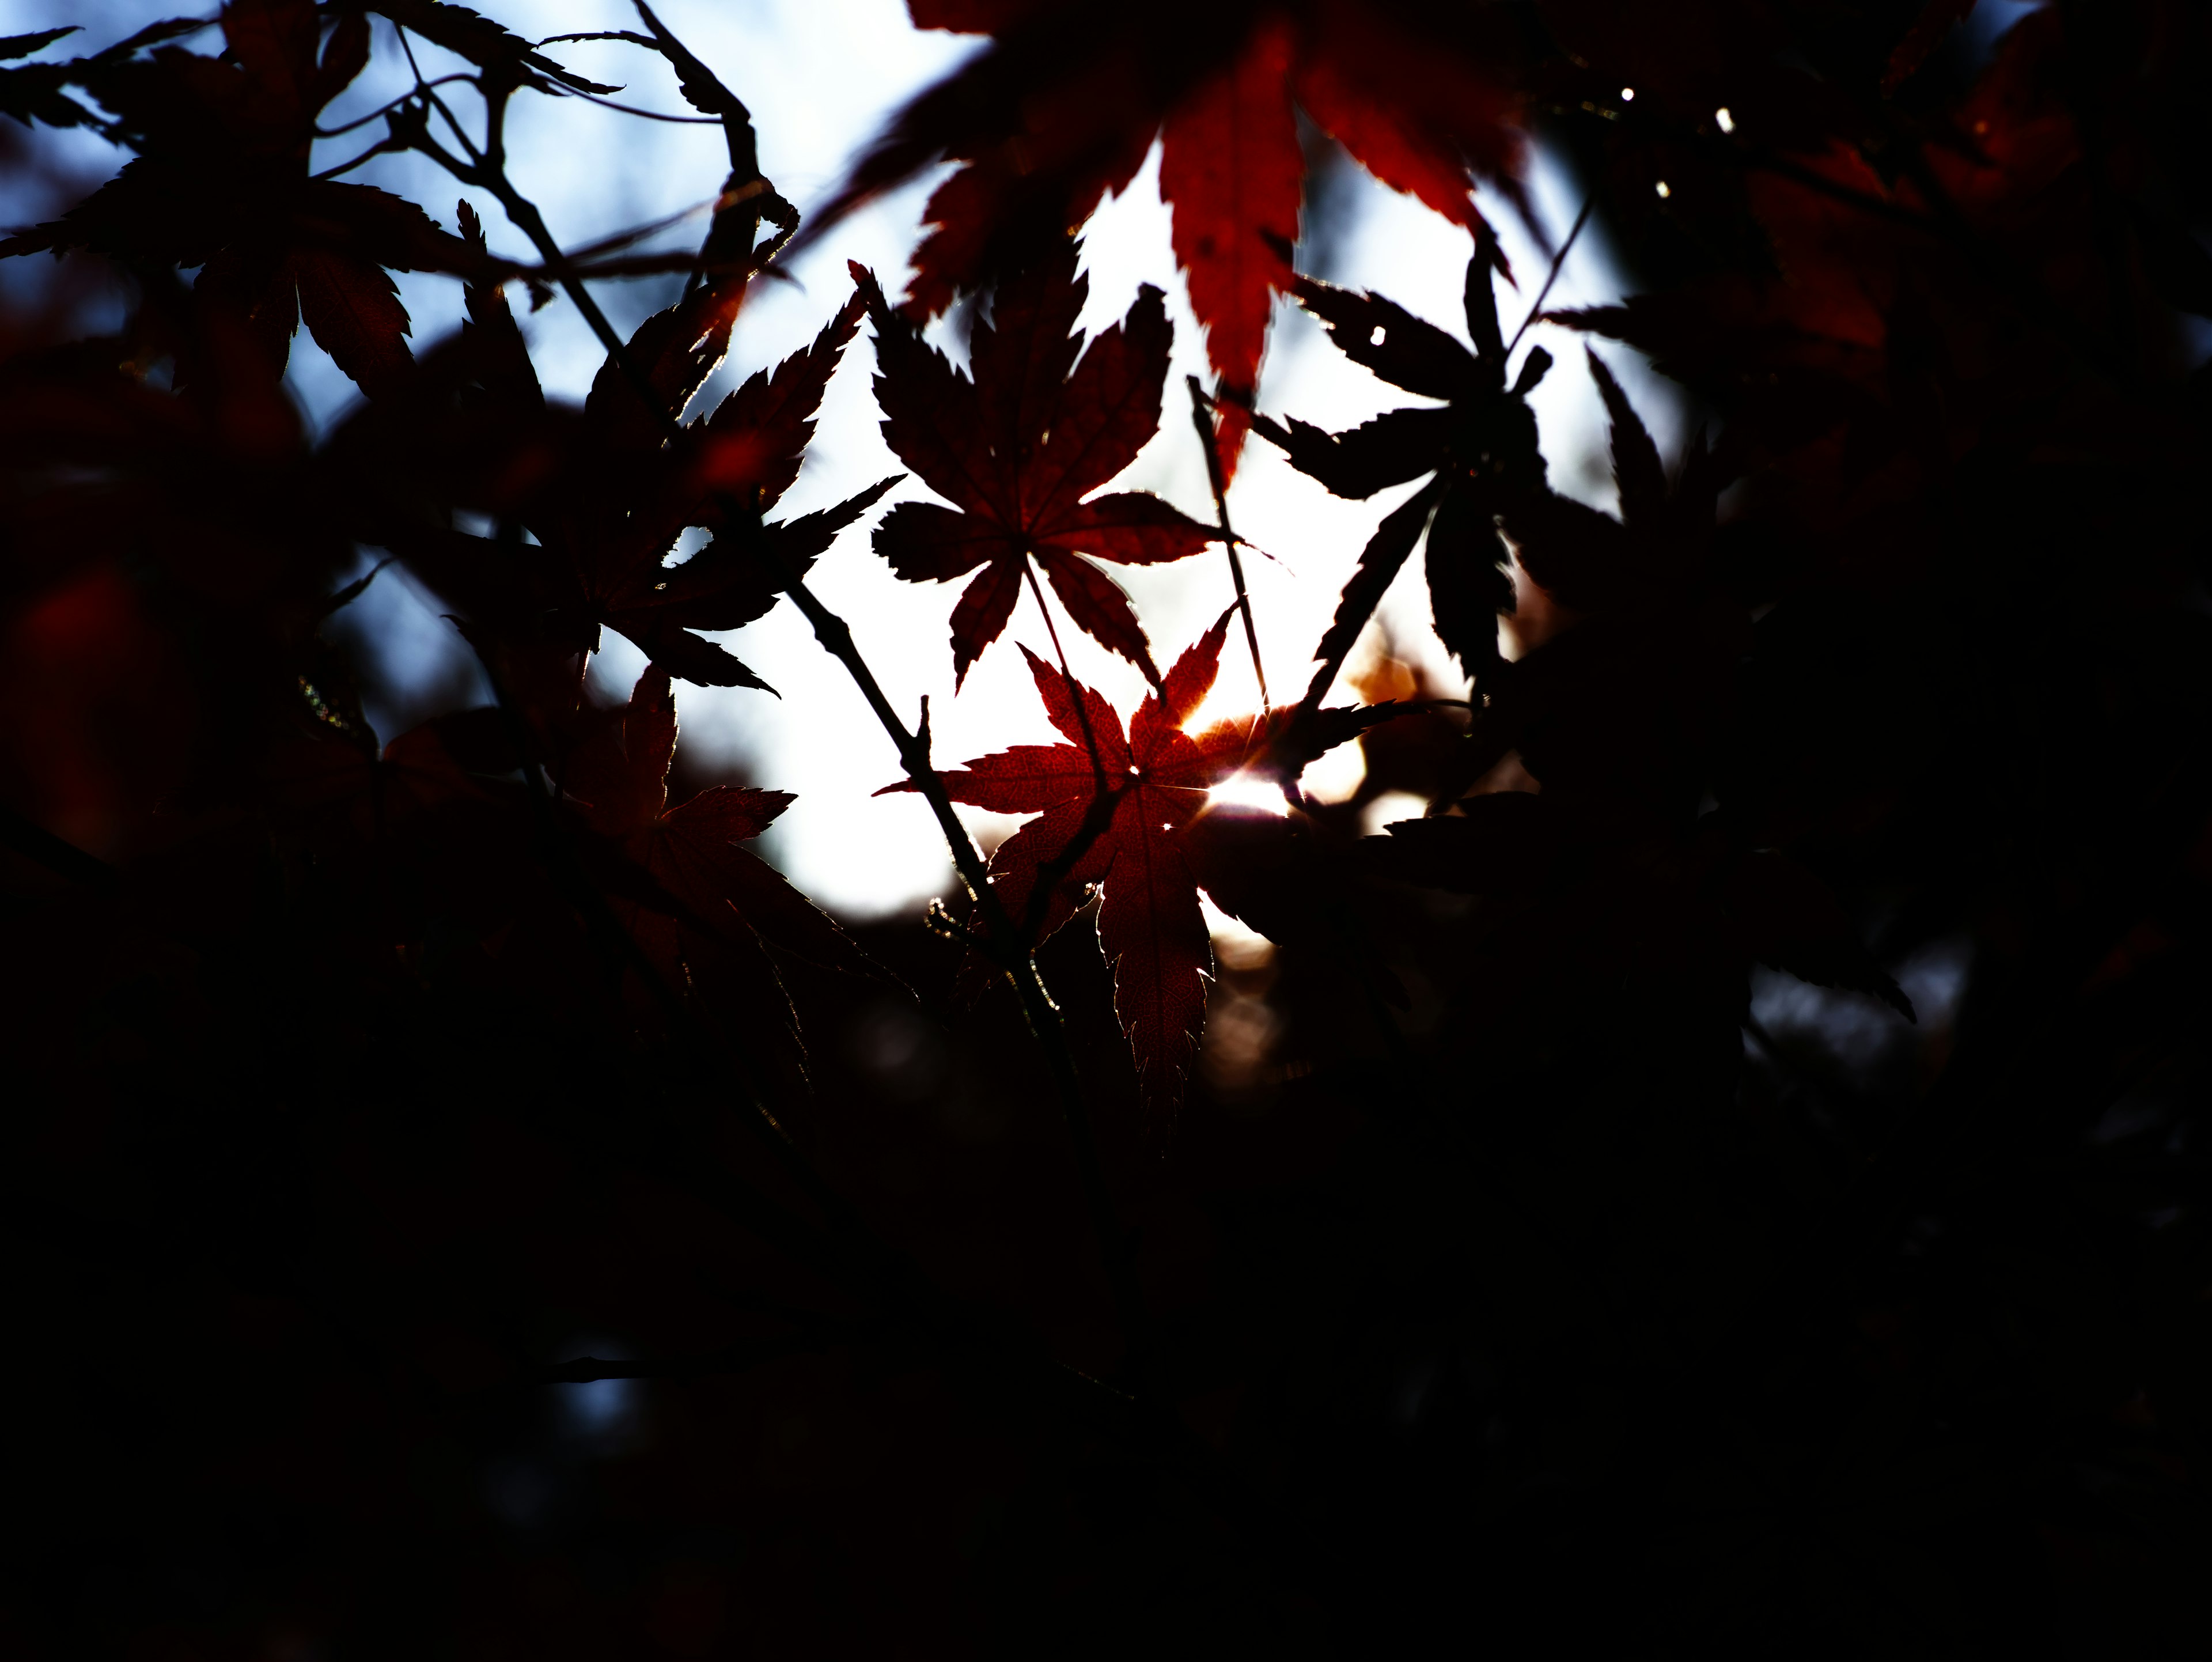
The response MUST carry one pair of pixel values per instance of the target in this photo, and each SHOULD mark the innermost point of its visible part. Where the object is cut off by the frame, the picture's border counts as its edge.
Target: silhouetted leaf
(1019, 450)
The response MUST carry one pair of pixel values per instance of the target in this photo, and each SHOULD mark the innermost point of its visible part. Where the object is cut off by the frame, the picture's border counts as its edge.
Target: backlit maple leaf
(1157, 778)
(1063, 105)
(1020, 449)
(619, 519)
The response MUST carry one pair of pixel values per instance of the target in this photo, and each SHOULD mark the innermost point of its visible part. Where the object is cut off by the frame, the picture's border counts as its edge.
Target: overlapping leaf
(710, 904)
(1643, 667)
(605, 495)
(1063, 105)
(1155, 779)
(505, 57)
(1608, 720)
(222, 183)
(1477, 449)
(40, 92)
(1655, 554)
(1020, 449)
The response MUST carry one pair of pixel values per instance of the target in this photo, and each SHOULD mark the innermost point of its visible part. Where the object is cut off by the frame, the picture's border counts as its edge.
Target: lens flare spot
(1249, 790)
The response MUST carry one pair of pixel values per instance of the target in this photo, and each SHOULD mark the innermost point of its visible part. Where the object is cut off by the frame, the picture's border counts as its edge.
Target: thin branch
(607, 245)
(382, 110)
(383, 146)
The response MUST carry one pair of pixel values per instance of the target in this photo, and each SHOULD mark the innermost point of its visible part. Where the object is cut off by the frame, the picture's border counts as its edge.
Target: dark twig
(383, 110)
(1559, 260)
(384, 146)
(1199, 407)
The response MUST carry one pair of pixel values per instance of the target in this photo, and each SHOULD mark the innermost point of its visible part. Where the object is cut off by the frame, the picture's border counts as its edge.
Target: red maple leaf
(710, 904)
(1020, 448)
(1156, 778)
(1064, 104)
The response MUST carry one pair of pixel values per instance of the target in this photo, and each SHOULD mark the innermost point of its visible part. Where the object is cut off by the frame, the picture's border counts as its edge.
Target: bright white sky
(820, 76)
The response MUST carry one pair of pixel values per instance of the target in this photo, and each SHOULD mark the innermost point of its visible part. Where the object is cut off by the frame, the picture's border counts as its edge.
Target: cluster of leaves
(1485, 1263)
(1063, 106)
(221, 181)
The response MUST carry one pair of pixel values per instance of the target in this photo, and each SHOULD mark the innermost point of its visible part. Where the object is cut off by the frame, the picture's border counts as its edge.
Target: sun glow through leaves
(1249, 790)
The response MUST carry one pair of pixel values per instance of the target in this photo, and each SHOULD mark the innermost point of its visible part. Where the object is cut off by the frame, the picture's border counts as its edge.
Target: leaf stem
(1217, 479)
(382, 111)
(1074, 692)
(1051, 872)
(1559, 262)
